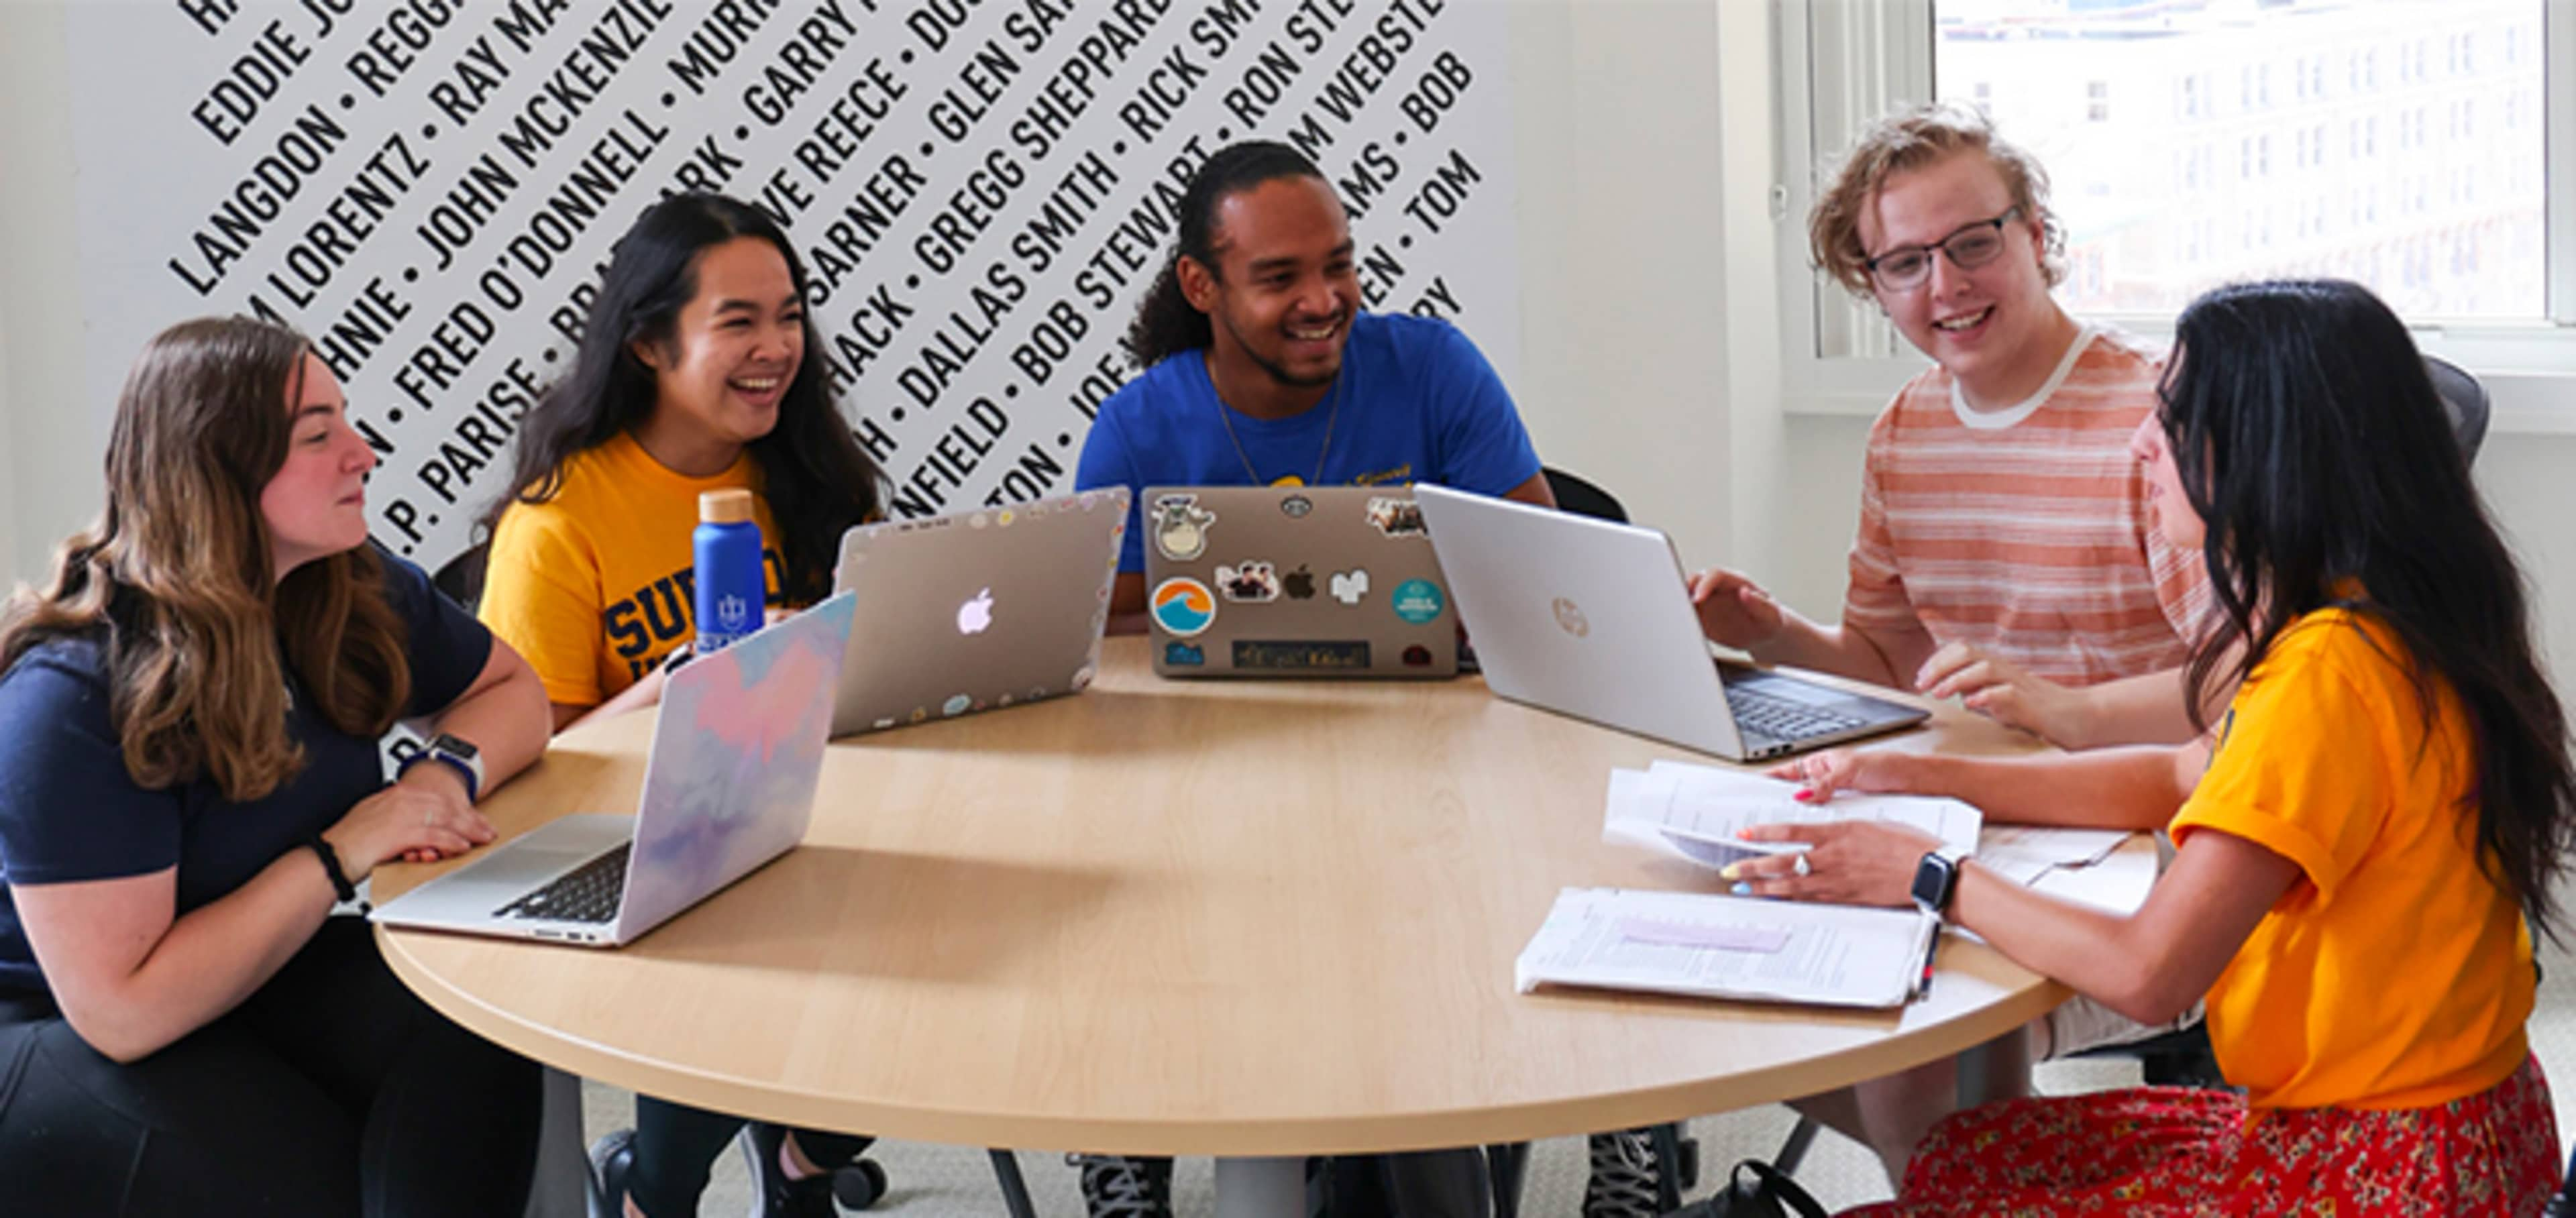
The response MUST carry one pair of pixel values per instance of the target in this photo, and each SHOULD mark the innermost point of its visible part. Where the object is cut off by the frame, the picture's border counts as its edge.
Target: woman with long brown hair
(191, 779)
(699, 371)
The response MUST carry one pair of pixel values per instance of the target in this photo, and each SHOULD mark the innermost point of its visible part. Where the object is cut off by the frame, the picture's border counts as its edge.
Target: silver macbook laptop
(1593, 619)
(737, 754)
(1274, 581)
(977, 610)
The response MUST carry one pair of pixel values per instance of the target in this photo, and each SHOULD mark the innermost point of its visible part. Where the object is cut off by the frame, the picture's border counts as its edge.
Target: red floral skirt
(2173, 1151)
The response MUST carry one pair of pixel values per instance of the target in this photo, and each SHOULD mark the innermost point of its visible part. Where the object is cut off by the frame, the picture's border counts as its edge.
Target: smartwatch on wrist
(1936, 881)
(459, 754)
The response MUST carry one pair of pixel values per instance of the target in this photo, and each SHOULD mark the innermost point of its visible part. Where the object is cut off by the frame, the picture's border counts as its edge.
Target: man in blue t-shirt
(1260, 368)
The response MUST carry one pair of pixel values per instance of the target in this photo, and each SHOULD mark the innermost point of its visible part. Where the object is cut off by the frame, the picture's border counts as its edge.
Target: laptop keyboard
(1782, 719)
(588, 893)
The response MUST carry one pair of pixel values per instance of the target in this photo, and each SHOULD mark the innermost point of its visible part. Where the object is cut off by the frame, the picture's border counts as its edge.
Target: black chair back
(462, 576)
(1581, 497)
(2465, 398)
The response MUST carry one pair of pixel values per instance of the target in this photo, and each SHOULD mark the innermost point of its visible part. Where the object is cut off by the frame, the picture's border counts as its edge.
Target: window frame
(1843, 62)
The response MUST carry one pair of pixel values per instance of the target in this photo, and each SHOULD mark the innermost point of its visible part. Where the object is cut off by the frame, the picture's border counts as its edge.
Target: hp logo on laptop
(1570, 619)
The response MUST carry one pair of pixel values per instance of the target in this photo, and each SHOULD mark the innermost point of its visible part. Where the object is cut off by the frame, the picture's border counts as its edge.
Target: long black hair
(2311, 441)
(817, 479)
(1166, 322)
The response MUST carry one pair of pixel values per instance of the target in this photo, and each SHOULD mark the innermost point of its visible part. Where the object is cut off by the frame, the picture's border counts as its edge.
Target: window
(2454, 221)
(2096, 50)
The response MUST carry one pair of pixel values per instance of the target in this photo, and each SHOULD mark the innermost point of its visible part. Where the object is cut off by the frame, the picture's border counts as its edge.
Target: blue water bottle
(731, 587)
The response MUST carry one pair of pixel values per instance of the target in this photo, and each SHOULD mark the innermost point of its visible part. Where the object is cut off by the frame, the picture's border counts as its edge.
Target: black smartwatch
(459, 754)
(1936, 880)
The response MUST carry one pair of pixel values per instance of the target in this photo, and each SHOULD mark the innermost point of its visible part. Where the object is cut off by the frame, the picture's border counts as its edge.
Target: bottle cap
(724, 507)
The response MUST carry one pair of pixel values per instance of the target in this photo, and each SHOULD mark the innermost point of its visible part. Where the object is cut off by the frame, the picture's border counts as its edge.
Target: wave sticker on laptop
(1183, 607)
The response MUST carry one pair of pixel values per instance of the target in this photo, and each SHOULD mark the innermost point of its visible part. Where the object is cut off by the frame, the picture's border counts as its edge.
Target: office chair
(461, 577)
(1579, 496)
(2465, 398)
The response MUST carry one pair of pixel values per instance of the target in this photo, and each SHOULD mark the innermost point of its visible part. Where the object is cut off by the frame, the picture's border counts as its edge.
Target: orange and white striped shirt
(2026, 531)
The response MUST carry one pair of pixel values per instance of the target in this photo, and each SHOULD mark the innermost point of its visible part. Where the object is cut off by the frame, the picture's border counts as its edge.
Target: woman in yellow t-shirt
(692, 376)
(2360, 852)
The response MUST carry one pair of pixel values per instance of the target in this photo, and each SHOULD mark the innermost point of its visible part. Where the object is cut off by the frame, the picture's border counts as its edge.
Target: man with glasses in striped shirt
(2006, 552)
(2004, 555)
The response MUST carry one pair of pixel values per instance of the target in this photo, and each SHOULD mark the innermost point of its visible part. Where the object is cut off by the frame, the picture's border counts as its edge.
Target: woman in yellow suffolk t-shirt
(692, 376)
(2360, 848)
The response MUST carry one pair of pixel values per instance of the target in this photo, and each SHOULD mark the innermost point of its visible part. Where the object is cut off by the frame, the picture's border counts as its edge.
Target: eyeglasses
(1904, 268)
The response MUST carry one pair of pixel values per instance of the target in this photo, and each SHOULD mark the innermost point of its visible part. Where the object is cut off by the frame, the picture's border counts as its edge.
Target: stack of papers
(1729, 947)
(1694, 812)
(1718, 946)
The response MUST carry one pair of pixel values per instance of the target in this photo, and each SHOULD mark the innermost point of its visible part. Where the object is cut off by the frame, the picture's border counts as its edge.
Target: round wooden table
(1249, 919)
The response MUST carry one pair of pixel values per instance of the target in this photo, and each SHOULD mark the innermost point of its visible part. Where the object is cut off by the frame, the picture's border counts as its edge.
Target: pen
(1931, 948)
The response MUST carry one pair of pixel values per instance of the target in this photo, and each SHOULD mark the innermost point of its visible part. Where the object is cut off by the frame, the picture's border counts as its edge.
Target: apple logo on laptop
(1299, 584)
(976, 615)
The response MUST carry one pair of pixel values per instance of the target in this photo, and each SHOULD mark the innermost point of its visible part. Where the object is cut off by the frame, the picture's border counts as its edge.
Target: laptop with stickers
(737, 755)
(977, 610)
(1593, 619)
(1276, 581)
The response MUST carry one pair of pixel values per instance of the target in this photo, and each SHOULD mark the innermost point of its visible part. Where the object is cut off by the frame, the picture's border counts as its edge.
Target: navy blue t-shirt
(70, 811)
(1415, 402)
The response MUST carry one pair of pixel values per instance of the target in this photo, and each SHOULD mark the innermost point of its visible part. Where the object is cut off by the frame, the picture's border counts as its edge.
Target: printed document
(1728, 947)
(1694, 812)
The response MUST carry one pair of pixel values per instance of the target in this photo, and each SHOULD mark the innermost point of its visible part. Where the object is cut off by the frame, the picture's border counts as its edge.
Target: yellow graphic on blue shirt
(1401, 475)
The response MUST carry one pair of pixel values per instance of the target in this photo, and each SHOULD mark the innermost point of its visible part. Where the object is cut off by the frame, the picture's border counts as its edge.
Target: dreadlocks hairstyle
(1166, 323)
(817, 479)
(2314, 447)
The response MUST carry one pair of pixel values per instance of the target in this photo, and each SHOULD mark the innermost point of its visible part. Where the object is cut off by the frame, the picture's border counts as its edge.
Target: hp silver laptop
(1593, 619)
(977, 610)
(1274, 581)
(737, 754)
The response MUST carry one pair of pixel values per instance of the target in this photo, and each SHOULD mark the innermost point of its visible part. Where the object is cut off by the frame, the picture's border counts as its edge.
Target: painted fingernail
(1727, 872)
(1743, 890)
(1805, 795)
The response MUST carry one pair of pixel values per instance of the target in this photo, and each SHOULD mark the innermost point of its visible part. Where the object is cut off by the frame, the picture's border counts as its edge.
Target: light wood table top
(1242, 918)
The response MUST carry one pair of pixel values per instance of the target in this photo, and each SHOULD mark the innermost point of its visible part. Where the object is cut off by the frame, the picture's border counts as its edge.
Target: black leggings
(331, 1091)
(675, 1145)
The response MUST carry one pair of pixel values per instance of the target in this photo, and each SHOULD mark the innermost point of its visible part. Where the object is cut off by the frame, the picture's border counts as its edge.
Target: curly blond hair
(1911, 139)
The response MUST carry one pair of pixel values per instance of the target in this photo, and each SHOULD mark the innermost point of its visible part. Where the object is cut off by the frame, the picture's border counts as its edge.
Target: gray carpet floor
(955, 1182)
